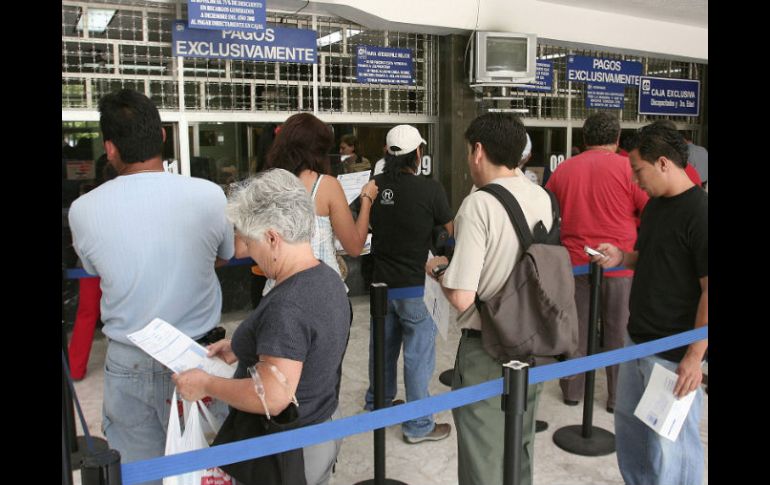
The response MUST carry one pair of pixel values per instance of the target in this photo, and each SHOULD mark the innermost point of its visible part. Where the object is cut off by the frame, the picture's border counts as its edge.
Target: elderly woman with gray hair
(294, 341)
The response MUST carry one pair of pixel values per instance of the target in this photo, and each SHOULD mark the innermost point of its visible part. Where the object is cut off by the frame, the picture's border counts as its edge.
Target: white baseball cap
(403, 139)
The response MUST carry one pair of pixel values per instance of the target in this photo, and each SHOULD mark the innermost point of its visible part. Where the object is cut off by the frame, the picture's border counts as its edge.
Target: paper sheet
(659, 408)
(437, 304)
(352, 183)
(166, 344)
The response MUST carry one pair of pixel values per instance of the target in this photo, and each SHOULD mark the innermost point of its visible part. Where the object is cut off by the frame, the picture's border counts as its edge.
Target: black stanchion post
(378, 308)
(101, 468)
(587, 439)
(514, 404)
(593, 321)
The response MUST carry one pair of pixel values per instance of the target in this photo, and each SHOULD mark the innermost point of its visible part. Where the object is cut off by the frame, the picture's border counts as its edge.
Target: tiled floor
(428, 463)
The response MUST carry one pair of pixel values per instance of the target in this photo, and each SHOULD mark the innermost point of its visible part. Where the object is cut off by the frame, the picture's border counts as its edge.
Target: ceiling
(688, 12)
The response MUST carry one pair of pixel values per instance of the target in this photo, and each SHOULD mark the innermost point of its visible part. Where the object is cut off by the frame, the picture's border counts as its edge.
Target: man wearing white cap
(402, 219)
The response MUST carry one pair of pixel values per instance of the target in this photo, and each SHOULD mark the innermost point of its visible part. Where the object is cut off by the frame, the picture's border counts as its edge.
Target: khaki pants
(481, 425)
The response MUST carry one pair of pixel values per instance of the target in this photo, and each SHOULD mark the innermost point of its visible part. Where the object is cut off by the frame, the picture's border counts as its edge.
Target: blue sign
(273, 44)
(661, 96)
(226, 14)
(604, 71)
(604, 96)
(543, 78)
(383, 65)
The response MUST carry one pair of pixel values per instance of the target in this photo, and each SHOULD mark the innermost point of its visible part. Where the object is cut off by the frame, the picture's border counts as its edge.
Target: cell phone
(592, 252)
(438, 270)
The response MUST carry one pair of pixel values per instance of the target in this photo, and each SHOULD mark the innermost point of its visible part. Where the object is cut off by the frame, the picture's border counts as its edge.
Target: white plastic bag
(192, 438)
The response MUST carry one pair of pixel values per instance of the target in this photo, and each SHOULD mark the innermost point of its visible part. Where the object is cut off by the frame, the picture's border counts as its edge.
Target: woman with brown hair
(301, 147)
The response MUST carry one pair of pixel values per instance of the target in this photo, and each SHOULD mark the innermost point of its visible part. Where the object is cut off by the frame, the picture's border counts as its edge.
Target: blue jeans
(407, 320)
(645, 457)
(136, 404)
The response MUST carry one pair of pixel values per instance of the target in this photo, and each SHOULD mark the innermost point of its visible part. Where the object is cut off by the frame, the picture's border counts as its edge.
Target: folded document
(166, 344)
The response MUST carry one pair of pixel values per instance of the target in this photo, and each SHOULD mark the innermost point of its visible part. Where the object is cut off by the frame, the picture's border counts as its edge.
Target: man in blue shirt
(154, 238)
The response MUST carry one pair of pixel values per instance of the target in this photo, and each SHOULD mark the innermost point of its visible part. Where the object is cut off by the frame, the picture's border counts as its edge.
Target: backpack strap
(516, 215)
(514, 211)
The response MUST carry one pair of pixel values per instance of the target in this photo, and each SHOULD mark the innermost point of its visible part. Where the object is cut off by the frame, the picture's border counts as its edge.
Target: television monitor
(505, 58)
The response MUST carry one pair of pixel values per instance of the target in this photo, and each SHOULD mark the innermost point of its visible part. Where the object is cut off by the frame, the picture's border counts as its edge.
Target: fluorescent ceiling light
(335, 37)
(551, 56)
(98, 18)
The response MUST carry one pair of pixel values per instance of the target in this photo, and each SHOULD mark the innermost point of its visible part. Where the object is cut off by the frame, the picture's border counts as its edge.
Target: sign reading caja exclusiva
(226, 14)
(604, 71)
(383, 65)
(662, 96)
(273, 44)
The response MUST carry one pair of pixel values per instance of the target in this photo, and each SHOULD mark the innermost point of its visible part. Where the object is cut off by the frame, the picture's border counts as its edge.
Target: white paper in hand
(659, 408)
(166, 344)
(436, 303)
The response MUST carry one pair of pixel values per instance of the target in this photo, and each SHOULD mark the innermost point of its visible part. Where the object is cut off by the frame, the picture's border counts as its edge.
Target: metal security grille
(134, 51)
(567, 100)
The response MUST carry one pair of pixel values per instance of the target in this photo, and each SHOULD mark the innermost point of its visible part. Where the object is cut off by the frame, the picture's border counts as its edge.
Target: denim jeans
(645, 457)
(407, 321)
(137, 398)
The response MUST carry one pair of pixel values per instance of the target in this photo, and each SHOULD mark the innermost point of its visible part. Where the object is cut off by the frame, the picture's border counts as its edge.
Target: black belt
(214, 335)
(471, 333)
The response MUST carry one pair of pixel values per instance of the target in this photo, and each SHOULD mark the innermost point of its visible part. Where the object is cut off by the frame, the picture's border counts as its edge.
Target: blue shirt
(153, 238)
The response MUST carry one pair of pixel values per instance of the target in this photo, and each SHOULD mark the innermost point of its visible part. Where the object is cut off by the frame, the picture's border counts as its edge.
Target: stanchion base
(387, 481)
(570, 438)
(100, 444)
(446, 377)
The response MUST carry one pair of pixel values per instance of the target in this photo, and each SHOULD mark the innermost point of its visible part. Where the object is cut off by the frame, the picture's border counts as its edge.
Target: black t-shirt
(403, 216)
(305, 318)
(673, 250)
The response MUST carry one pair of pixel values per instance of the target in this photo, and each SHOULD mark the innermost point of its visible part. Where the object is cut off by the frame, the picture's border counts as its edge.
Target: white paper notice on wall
(659, 408)
(437, 304)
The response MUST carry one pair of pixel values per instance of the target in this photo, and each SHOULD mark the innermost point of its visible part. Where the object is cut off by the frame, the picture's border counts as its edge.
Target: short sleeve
(464, 271)
(285, 332)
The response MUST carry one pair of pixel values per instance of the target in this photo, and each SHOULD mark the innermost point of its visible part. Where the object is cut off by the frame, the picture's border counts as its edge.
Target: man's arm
(689, 370)
(460, 299)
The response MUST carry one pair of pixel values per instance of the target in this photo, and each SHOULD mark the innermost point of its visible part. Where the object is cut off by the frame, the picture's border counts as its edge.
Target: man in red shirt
(599, 202)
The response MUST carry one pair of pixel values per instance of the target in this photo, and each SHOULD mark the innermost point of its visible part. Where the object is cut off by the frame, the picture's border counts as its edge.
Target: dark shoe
(610, 409)
(440, 431)
(570, 402)
(540, 426)
(396, 402)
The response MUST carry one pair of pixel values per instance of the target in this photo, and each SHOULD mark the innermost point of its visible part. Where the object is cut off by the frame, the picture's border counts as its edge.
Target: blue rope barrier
(156, 468)
(398, 293)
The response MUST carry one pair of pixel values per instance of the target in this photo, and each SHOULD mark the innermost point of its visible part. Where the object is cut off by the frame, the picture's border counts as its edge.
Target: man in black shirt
(669, 295)
(403, 217)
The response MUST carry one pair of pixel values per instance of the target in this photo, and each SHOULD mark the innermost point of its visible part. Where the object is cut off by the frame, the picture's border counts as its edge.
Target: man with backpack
(486, 251)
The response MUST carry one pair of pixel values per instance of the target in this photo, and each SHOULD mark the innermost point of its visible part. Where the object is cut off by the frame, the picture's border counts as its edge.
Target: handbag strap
(89, 441)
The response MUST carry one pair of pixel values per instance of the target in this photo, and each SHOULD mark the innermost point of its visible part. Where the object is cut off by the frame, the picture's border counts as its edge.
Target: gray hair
(274, 199)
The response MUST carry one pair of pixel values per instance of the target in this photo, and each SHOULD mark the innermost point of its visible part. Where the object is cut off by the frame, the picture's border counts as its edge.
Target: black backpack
(533, 318)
